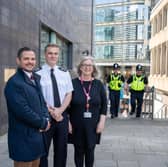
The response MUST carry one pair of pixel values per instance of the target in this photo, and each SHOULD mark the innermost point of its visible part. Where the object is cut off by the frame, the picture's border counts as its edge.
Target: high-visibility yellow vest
(138, 83)
(115, 82)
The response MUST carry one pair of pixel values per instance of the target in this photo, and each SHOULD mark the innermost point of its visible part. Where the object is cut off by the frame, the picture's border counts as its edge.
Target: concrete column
(151, 66)
(157, 23)
(152, 28)
(156, 58)
(161, 20)
(151, 57)
(162, 59)
(153, 62)
(162, 17)
(167, 15)
(159, 59)
(166, 60)
(155, 26)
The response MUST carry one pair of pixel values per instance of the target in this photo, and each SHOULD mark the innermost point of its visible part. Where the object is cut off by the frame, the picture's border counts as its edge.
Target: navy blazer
(27, 113)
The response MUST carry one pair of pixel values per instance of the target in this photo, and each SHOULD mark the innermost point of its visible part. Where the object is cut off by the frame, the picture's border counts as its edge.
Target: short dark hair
(21, 50)
(51, 45)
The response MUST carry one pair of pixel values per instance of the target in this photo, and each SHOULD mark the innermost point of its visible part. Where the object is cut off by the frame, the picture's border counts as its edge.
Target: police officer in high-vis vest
(137, 83)
(115, 81)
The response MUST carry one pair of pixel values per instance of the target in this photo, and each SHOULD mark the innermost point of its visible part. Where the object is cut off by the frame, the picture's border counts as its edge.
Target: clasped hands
(55, 113)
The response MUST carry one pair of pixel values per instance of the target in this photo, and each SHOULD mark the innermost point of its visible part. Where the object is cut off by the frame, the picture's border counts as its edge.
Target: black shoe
(112, 116)
(131, 113)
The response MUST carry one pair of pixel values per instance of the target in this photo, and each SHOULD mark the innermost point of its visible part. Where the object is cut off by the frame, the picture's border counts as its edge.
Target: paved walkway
(125, 143)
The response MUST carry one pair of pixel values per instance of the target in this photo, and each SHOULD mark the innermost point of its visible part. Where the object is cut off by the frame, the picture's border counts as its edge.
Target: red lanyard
(87, 94)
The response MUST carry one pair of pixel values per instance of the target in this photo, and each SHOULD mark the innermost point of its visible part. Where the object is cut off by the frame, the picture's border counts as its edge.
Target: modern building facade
(159, 55)
(122, 32)
(34, 24)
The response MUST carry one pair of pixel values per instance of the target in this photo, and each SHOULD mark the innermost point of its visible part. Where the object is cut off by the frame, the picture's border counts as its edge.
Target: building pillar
(154, 61)
(166, 60)
(167, 15)
(160, 21)
(157, 60)
(161, 60)
(151, 66)
(162, 17)
(157, 23)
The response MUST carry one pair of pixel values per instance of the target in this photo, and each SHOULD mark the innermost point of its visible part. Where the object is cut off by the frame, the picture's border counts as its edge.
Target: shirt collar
(29, 74)
(48, 68)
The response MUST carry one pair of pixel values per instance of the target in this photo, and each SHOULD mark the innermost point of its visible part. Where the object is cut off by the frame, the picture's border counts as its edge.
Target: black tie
(57, 102)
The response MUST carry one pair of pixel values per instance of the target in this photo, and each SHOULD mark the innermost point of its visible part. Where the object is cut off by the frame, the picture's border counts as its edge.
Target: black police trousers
(136, 102)
(114, 102)
(59, 133)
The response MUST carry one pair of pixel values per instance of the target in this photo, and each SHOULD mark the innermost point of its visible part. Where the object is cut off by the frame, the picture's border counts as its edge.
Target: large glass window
(49, 36)
(44, 40)
(120, 13)
(119, 32)
(120, 52)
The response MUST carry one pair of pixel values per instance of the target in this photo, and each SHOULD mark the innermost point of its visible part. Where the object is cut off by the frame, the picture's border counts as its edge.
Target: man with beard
(27, 113)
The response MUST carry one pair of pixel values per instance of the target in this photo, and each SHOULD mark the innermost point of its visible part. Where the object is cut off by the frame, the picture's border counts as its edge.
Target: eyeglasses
(87, 65)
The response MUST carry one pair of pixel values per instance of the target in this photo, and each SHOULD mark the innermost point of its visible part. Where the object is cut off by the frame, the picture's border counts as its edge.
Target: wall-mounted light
(85, 52)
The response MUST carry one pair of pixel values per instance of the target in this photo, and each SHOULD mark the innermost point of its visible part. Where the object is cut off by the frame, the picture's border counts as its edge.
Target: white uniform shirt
(63, 79)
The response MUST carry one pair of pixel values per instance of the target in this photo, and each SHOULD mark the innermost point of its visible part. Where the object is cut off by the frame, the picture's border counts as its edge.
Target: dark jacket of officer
(27, 114)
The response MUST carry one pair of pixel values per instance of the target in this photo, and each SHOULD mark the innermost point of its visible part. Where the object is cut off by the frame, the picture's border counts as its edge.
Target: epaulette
(37, 69)
(62, 69)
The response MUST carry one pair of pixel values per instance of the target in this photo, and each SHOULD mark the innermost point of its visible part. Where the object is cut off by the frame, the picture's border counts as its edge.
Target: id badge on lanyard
(87, 113)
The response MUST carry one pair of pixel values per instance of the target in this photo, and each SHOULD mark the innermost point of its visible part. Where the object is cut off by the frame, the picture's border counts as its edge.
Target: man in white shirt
(57, 90)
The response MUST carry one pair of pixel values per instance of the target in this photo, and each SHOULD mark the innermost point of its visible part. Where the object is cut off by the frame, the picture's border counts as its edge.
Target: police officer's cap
(139, 67)
(116, 66)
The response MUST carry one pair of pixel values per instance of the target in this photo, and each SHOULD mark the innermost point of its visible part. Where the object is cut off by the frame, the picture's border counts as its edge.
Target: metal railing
(162, 113)
(148, 104)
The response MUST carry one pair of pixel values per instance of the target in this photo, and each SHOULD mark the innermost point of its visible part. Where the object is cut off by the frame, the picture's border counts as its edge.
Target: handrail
(163, 106)
(149, 102)
(163, 109)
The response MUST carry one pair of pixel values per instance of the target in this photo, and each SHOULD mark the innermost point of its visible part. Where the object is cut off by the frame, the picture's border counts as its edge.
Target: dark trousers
(59, 133)
(81, 154)
(114, 102)
(137, 99)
